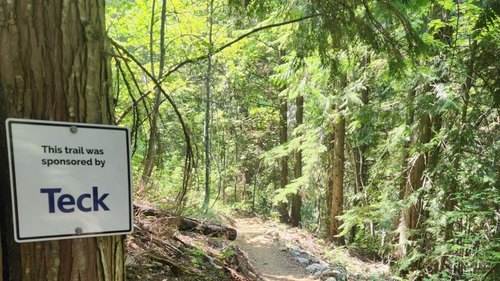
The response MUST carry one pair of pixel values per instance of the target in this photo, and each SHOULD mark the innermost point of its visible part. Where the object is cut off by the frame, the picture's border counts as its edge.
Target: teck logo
(66, 202)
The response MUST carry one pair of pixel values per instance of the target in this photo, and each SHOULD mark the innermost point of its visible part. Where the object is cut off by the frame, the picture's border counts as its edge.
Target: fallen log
(149, 211)
(209, 229)
(188, 224)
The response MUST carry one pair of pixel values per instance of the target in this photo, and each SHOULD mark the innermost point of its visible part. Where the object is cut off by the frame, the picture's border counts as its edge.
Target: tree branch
(197, 59)
(189, 150)
(260, 29)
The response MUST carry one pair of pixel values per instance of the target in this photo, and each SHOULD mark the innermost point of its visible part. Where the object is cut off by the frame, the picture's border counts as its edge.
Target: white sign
(68, 180)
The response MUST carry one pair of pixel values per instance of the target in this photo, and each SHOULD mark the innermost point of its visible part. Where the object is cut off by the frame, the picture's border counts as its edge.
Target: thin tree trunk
(328, 193)
(360, 164)
(283, 206)
(224, 167)
(153, 130)
(206, 127)
(53, 67)
(337, 188)
(297, 197)
(410, 118)
(235, 176)
(359, 151)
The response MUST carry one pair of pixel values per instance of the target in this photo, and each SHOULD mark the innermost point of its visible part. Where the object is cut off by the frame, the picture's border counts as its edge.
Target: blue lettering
(100, 201)
(79, 203)
(62, 202)
(51, 192)
(66, 202)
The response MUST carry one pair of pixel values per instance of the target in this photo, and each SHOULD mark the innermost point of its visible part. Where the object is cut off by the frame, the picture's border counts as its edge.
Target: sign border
(13, 188)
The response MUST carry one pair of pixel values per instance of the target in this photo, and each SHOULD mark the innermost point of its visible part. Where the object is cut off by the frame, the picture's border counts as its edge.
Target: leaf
(435, 26)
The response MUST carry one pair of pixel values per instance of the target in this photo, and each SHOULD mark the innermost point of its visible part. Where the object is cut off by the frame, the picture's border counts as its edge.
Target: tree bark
(337, 188)
(283, 206)
(414, 181)
(297, 197)
(53, 66)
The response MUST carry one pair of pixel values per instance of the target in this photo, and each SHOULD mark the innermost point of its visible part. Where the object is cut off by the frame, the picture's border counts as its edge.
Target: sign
(68, 180)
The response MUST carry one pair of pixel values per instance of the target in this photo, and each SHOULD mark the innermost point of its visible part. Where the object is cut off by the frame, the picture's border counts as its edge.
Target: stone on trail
(315, 267)
(337, 273)
(303, 261)
(295, 250)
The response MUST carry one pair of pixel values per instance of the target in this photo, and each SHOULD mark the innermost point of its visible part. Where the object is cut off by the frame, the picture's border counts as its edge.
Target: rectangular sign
(69, 180)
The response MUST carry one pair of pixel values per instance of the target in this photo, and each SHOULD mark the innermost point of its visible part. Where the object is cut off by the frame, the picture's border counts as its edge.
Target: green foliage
(386, 65)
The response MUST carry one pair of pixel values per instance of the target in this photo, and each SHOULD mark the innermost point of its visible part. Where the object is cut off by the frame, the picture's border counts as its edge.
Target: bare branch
(200, 58)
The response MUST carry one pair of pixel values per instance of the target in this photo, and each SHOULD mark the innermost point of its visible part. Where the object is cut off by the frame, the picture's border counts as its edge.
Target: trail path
(272, 261)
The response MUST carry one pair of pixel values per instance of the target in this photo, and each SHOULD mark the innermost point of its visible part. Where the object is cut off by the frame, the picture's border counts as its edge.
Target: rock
(310, 257)
(331, 279)
(338, 273)
(302, 261)
(295, 250)
(315, 268)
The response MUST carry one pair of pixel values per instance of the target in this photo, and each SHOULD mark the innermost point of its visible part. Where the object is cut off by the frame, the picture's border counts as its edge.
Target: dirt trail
(274, 263)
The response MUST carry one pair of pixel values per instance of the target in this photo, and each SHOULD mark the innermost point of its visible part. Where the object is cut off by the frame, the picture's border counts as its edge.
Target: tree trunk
(361, 168)
(409, 122)
(206, 126)
(450, 202)
(328, 193)
(337, 188)
(359, 151)
(53, 66)
(283, 206)
(414, 181)
(297, 197)
(153, 140)
(359, 155)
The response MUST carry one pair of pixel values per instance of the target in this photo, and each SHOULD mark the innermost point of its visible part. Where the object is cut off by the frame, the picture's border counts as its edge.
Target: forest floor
(282, 253)
(260, 242)
(162, 248)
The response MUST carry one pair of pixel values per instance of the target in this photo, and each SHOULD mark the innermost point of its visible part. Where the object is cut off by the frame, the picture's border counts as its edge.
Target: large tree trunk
(337, 188)
(297, 197)
(283, 206)
(53, 66)
(414, 181)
